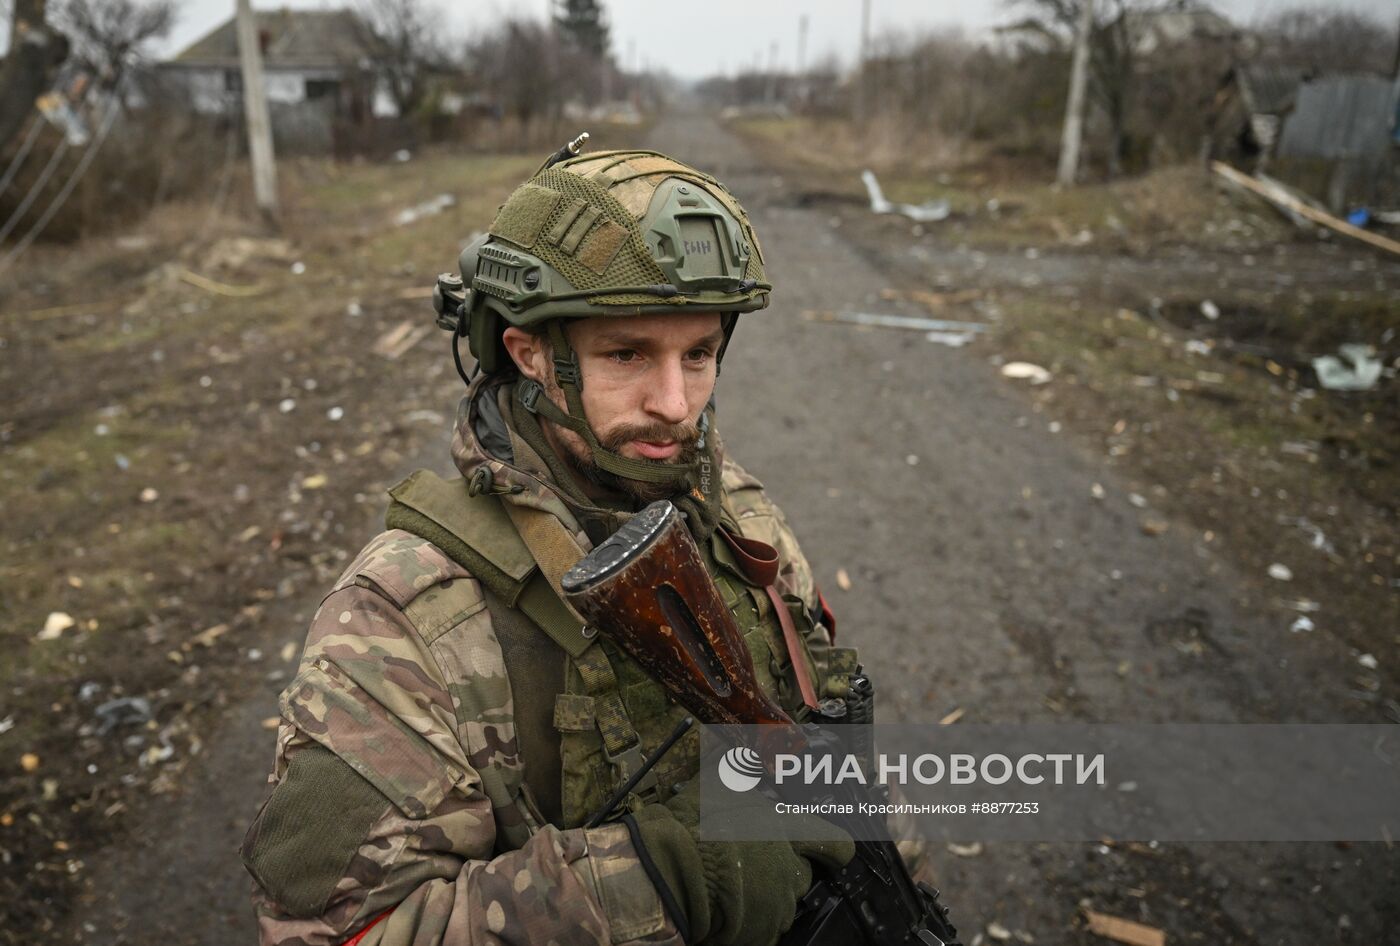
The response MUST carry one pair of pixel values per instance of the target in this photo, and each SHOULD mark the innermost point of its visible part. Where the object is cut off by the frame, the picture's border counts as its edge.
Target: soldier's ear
(530, 352)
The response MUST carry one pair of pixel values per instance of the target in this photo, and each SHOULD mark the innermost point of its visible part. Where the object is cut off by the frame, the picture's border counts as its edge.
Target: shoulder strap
(477, 533)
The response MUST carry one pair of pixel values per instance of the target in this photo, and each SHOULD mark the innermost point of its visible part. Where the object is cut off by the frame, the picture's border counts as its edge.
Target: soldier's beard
(687, 435)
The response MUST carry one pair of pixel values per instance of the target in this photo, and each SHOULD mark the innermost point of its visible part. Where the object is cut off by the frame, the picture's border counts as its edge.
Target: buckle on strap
(628, 761)
(529, 392)
(566, 370)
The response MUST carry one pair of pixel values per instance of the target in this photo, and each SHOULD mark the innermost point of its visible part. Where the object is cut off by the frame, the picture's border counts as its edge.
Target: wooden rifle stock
(647, 587)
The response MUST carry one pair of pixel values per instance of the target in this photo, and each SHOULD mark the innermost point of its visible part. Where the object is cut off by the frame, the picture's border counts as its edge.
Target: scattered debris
(1368, 661)
(1138, 500)
(54, 626)
(235, 252)
(1210, 310)
(427, 208)
(1307, 449)
(424, 416)
(1124, 931)
(965, 850)
(1301, 605)
(1281, 198)
(402, 155)
(6, 724)
(354, 309)
(394, 343)
(335, 413)
(951, 339)
(314, 481)
(298, 268)
(1153, 527)
(1302, 624)
(123, 711)
(998, 932)
(272, 722)
(931, 300)
(1358, 372)
(289, 651)
(843, 580)
(220, 288)
(1280, 572)
(1317, 539)
(29, 762)
(206, 638)
(149, 495)
(928, 212)
(1195, 346)
(1025, 371)
(286, 405)
(913, 323)
(1097, 491)
(952, 717)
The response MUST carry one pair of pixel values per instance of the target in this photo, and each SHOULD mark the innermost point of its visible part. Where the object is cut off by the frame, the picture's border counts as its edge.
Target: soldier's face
(646, 380)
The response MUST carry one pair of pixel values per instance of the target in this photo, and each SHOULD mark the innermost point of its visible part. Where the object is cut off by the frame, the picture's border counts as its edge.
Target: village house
(319, 63)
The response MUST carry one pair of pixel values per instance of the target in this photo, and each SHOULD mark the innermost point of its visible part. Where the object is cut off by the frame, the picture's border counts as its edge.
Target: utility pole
(772, 94)
(864, 58)
(255, 109)
(800, 79)
(1074, 107)
(802, 24)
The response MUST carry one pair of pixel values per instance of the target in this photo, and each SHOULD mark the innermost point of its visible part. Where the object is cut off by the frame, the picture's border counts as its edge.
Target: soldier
(454, 724)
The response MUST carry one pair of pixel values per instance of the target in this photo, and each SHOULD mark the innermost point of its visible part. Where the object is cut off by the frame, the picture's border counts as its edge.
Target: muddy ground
(1094, 549)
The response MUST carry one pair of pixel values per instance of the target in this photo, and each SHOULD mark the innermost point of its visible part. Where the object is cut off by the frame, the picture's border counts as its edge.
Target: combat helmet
(609, 233)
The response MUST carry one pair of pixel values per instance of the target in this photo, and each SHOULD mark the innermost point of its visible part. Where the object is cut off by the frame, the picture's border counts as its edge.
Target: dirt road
(983, 578)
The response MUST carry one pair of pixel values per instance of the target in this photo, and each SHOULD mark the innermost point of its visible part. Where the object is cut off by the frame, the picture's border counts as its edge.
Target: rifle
(646, 587)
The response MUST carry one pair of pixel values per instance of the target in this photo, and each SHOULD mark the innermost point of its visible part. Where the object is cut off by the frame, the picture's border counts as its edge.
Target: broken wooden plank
(1294, 205)
(1124, 931)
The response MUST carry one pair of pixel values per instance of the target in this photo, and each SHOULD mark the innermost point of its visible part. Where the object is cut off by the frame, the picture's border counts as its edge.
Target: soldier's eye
(623, 356)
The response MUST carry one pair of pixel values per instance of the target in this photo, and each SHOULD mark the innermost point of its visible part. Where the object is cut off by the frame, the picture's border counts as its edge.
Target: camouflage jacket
(381, 817)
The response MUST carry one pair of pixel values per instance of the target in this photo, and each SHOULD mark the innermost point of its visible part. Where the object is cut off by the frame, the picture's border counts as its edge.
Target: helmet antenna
(570, 150)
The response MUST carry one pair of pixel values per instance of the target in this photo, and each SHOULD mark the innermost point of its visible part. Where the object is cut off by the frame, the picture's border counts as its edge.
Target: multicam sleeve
(378, 822)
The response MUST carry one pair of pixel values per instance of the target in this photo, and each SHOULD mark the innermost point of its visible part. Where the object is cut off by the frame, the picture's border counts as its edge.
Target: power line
(36, 188)
(35, 127)
(83, 163)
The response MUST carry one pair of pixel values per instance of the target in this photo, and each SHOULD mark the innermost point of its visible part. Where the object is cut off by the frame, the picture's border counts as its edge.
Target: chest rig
(586, 714)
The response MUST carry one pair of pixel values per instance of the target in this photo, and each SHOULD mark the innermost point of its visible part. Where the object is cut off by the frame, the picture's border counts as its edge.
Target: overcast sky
(694, 40)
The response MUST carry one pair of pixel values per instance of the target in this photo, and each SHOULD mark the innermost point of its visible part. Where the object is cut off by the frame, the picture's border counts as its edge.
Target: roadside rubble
(930, 211)
(1288, 202)
(952, 333)
(54, 626)
(1353, 368)
(1124, 931)
(428, 208)
(1026, 371)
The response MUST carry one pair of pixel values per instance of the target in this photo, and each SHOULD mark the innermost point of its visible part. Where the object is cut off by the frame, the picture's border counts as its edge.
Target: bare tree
(517, 64)
(1113, 53)
(36, 51)
(408, 46)
(1315, 39)
(111, 36)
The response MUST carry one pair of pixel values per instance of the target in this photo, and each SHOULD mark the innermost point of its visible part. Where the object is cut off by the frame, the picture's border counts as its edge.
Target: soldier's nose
(665, 396)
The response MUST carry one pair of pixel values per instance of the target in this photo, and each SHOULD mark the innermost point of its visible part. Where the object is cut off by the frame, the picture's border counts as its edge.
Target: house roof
(305, 38)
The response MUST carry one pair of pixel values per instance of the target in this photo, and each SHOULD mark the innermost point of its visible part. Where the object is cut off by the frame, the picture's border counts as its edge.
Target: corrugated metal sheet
(1340, 117)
